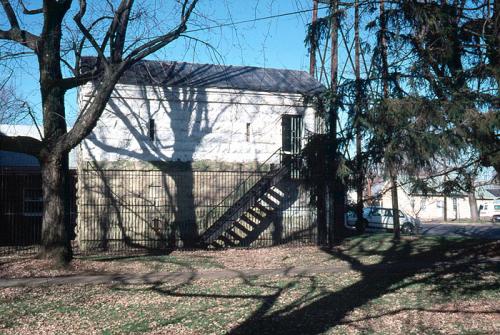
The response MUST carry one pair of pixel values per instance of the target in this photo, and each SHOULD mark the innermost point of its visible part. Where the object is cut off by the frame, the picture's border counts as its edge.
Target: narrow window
(248, 132)
(151, 130)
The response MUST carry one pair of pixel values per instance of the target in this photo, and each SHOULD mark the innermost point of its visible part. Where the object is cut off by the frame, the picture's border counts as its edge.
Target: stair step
(274, 194)
(227, 241)
(257, 215)
(241, 227)
(263, 208)
(247, 212)
(234, 235)
(250, 218)
(269, 201)
(217, 245)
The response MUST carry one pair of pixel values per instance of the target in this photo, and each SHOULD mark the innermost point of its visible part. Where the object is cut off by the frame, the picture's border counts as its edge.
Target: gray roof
(494, 191)
(181, 74)
(17, 159)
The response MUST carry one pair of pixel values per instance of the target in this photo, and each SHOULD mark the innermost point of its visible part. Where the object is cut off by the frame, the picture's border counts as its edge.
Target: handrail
(237, 189)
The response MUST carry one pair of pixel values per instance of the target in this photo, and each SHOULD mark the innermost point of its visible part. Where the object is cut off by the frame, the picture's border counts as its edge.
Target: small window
(32, 202)
(248, 132)
(151, 130)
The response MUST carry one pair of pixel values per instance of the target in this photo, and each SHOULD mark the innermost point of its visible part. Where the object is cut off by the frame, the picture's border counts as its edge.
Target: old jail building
(197, 155)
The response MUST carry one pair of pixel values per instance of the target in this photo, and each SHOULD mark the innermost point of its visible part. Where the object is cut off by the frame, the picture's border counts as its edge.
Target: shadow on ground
(448, 267)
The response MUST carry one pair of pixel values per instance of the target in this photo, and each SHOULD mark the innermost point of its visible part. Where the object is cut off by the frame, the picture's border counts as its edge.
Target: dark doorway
(291, 132)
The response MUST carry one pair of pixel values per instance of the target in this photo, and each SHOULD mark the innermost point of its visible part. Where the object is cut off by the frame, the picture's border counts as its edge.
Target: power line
(233, 23)
(240, 22)
(253, 20)
(222, 25)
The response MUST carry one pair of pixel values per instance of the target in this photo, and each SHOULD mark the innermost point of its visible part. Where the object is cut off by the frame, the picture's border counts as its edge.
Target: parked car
(379, 218)
(495, 218)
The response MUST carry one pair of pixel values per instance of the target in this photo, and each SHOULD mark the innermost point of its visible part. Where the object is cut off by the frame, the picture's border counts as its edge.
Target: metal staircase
(253, 201)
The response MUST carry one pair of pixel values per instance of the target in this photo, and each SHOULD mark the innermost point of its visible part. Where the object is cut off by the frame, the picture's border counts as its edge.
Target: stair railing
(218, 210)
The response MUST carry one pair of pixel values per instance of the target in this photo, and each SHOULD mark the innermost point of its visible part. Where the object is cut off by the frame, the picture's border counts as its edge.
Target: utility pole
(313, 42)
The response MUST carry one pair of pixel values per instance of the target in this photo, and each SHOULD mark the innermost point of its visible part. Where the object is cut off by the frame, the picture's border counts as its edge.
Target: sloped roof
(182, 74)
(494, 191)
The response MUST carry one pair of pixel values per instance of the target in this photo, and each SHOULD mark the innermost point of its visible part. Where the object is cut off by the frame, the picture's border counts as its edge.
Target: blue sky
(276, 43)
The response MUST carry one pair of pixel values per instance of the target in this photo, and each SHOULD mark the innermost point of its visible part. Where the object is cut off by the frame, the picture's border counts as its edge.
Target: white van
(379, 218)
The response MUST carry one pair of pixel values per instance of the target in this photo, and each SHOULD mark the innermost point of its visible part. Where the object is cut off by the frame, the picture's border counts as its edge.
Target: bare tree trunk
(395, 204)
(474, 215)
(52, 151)
(357, 110)
(445, 208)
(56, 234)
(56, 242)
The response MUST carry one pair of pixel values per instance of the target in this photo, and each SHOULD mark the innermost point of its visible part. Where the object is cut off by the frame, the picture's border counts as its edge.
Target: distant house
(197, 154)
(16, 160)
(432, 206)
(21, 191)
(488, 200)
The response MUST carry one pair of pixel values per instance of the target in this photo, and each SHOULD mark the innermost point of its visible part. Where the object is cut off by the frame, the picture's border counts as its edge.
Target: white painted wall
(191, 124)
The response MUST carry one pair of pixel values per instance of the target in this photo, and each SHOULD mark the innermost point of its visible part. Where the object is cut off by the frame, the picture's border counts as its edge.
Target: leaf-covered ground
(263, 258)
(452, 289)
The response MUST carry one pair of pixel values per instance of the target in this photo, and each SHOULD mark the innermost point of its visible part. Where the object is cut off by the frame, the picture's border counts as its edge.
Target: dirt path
(189, 276)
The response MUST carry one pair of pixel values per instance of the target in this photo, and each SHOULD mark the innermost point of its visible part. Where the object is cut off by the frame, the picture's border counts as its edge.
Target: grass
(460, 296)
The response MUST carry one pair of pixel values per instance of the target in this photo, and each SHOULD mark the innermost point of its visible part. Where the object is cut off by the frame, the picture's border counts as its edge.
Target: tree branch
(30, 11)
(15, 33)
(20, 36)
(119, 30)
(86, 33)
(24, 144)
(94, 108)
(11, 15)
(72, 82)
(159, 42)
(114, 69)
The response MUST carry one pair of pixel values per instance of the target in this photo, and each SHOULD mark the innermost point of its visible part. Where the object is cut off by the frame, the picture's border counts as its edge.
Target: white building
(206, 133)
(431, 207)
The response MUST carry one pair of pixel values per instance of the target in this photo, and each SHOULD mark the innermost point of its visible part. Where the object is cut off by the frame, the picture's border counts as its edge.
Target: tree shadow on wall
(182, 121)
(183, 117)
(169, 193)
